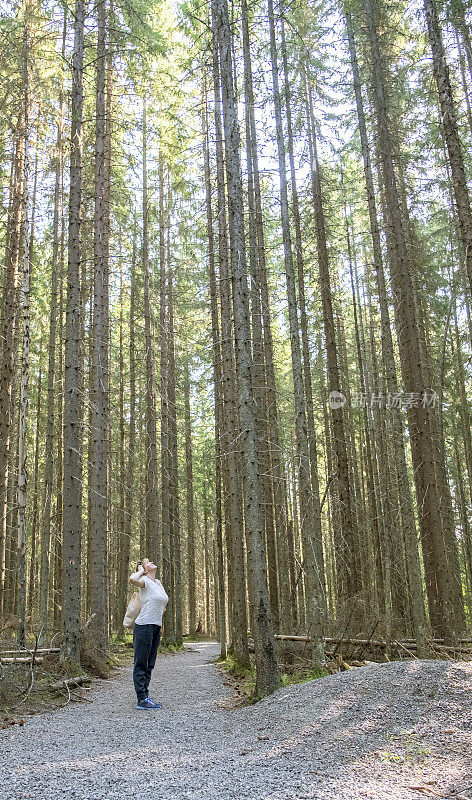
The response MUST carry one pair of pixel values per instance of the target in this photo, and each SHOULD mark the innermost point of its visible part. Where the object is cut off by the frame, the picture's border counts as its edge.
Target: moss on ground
(304, 675)
(243, 680)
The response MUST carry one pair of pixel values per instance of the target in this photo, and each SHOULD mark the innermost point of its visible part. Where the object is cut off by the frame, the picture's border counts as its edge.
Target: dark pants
(145, 642)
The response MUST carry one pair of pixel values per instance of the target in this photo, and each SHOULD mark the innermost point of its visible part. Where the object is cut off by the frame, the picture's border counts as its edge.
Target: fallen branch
(426, 789)
(406, 649)
(21, 660)
(23, 651)
(283, 637)
(397, 645)
(408, 646)
(80, 697)
(54, 687)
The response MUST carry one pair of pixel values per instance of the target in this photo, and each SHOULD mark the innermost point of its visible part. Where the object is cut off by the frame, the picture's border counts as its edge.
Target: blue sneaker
(148, 705)
(158, 705)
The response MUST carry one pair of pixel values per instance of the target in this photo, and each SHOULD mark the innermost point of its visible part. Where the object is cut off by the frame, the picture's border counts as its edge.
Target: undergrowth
(22, 694)
(170, 647)
(244, 679)
(304, 675)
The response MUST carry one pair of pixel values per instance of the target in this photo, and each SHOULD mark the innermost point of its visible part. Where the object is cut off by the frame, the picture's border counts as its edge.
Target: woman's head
(148, 566)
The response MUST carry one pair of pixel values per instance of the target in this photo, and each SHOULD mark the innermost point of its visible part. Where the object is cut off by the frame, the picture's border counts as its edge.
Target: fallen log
(395, 645)
(79, 681)
(283, 637)
(21, 660)
(449, 648)
(464, 646)
(24, 652)
(464, 640)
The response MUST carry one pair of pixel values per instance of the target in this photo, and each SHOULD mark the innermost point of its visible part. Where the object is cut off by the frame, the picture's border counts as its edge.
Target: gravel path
(401, 730)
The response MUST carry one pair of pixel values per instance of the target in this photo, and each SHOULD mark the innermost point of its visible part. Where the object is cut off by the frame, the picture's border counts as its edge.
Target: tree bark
(406, 506)
(9, 338)
(220, 601)
(307, 378)
(25, 350)
(267, 676)
(49, 444)
(310, 522)
(190, 506)
(439, 581)
(173, 453)
(72, 459)
(234, 516)
(349, 558)
(451, 131)
(98, 476)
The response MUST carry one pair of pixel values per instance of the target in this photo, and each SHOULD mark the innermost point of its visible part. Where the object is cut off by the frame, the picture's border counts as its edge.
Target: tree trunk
(49, 444)
(349, 578)
(267, 675)
(173, 455)
(190, 506)
(428, 488)
(406, 506)
(219, 419)
(165, 449)
(451, 131)
(9, 337)
(152, 507)
(235, 529)
(33, 567)
(310, 522)
(307, 379)
(100, 370)
(25, 306)
(124, 554)
(72, 461)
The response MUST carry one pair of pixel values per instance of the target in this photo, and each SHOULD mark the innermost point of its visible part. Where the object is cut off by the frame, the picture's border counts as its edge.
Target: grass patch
(303, 675)
(167, 647)
(243, 680)
(413, 749)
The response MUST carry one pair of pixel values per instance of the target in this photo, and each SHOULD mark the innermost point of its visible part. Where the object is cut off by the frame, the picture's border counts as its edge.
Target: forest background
(235, 319)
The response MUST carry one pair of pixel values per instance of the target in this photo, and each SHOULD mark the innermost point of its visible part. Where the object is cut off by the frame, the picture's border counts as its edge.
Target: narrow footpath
(401, 730)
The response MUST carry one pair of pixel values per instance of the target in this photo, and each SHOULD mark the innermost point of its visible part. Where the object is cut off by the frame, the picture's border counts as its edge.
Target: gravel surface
(399, 730)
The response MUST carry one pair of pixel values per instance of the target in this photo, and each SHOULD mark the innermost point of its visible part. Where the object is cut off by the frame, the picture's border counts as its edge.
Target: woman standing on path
(147, 630)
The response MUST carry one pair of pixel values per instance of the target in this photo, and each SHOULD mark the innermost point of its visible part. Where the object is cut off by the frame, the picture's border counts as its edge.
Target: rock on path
(399, 730)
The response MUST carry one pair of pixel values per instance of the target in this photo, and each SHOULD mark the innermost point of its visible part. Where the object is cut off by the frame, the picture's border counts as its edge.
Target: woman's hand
(137, 578)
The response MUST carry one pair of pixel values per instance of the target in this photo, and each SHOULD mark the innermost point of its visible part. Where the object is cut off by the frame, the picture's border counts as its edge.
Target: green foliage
(303, 675)
(245, 678)
(167, 647)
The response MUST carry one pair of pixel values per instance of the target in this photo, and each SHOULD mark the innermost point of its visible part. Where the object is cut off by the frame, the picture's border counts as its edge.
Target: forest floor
(400, 730)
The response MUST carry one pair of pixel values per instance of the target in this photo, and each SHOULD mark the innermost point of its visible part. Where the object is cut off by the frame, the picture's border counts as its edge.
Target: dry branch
(464, 647)
(24, 652)
(54, 687)
(283, 637)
